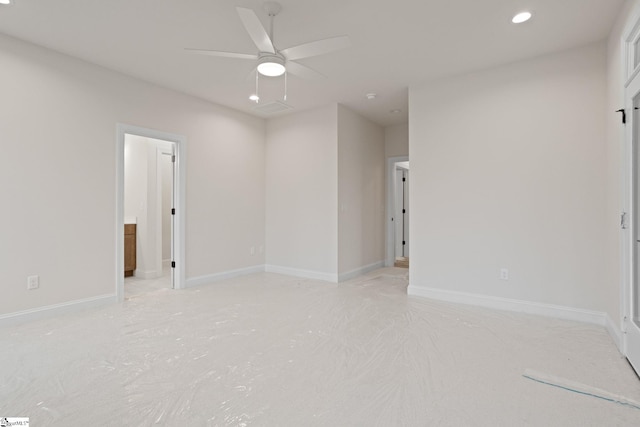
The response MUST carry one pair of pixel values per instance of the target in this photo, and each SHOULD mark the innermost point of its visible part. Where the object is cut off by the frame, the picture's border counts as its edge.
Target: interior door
(402, 213)
(173, 216)
(405, 218)
(632, 336)
(399, 217)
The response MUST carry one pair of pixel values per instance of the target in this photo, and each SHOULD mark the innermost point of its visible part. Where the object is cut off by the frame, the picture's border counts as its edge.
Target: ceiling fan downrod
(273, 8)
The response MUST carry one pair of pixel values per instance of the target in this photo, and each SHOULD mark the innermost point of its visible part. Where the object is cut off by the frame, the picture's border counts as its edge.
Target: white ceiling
(394, 43)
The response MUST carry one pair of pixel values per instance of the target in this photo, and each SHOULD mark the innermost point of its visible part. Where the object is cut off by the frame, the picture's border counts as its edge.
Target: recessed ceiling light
(254, 98)
(396, 111)
(371, 95)
(5, 1)
(521, 17)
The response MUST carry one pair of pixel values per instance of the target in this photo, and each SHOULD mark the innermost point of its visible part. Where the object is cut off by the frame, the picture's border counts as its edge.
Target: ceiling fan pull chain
(285, 84)
(257, 94)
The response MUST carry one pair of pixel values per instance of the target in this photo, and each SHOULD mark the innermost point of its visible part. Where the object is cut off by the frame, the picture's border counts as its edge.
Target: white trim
(360, 271)
(216, 277)
(631, 77)
(56, 309)
(180, 197)
(614, 332)
(548, 310)
(146, 274)
(630, 34)
(308, 274)
(390, 225)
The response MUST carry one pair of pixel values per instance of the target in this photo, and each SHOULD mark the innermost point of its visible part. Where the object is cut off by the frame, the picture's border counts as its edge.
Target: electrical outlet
(33, 282)
(252, 251)
(504, 274)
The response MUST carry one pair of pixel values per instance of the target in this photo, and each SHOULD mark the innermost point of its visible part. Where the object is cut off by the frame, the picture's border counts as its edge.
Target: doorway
(398, 247)
(150, 209)
(148, 204)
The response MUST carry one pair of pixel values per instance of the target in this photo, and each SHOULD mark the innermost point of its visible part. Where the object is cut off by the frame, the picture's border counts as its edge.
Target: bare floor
(271, 350)
(135, 286)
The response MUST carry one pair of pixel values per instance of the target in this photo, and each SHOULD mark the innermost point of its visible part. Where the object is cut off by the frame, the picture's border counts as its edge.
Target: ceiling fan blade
(319, 47)
(221, 53)
(303, 71)
(255, 29)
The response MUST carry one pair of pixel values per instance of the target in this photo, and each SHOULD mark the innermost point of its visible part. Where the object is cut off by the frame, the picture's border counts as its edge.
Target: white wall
(508, 171)
(58, 127)
(325, 193)
(301, 188)
(361, 183)
(396, 140)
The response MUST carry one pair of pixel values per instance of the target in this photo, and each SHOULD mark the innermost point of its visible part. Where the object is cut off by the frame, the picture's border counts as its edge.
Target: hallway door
(632, 326)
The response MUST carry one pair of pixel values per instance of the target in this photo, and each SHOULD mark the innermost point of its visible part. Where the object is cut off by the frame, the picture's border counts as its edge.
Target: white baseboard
(56, 309)
(614, 331)
(147, 274)
(307, 274)
(360, 271)
(216, 277)
(548, 310)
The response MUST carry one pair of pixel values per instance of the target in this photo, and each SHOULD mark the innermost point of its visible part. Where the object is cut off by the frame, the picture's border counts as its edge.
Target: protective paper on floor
(575, 387)
(270, 350)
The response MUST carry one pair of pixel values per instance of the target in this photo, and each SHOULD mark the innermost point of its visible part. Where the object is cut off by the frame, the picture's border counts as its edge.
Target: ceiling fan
(271, 61)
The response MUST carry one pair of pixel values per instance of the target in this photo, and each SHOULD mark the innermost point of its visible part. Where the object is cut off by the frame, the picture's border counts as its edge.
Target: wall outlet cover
(33, 282)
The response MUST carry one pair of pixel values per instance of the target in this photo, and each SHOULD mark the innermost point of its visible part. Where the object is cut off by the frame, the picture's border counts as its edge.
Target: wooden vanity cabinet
(129, 249)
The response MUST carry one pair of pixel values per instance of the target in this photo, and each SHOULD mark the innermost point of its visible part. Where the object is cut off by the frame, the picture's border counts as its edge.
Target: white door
(399, 234)
(632, 339)
(405, 219)
(173, 215)
(402, 213)
(167, 180)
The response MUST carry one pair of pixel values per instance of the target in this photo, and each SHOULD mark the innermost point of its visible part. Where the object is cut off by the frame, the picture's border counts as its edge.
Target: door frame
(390, 241)
(180, 142)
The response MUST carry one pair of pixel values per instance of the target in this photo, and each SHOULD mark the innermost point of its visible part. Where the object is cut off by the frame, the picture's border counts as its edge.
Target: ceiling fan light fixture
(271, 66)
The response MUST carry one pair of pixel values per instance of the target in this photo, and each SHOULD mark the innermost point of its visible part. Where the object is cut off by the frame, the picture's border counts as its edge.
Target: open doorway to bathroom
(150, 211)
(148, 204)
